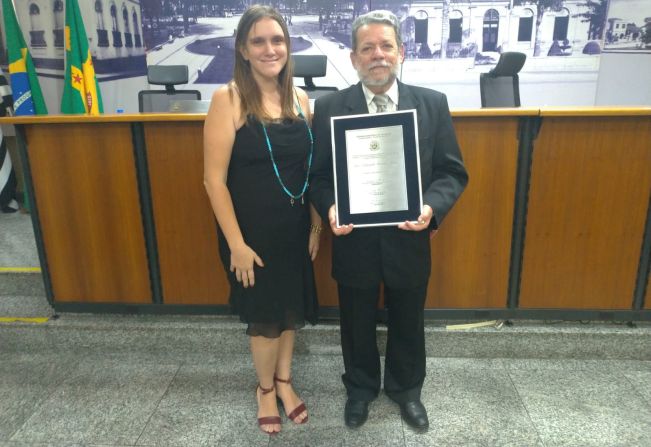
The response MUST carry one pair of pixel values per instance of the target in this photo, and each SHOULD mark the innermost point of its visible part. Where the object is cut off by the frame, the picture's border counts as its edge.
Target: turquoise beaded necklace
(292, 197)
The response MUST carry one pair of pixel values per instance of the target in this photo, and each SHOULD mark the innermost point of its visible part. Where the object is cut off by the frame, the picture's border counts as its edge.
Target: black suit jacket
(400, 258)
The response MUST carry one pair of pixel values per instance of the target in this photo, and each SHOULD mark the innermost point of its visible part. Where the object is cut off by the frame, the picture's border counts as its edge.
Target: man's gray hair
(379, 16)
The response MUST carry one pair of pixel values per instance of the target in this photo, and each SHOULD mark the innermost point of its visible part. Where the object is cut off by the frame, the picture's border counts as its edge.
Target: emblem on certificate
(376, 169)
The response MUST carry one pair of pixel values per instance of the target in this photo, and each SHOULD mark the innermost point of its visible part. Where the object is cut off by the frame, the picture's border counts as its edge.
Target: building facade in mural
(431, 28)
(442, 28)
(628, 26)
(114, 29)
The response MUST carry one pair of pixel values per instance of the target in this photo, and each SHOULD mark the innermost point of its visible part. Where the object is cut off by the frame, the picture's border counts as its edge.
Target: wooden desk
(554, 221)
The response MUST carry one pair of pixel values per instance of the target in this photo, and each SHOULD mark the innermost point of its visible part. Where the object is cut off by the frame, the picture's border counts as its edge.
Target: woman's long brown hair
(247, 87)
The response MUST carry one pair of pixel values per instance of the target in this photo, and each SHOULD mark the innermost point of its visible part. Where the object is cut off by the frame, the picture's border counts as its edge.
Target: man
(398, 256)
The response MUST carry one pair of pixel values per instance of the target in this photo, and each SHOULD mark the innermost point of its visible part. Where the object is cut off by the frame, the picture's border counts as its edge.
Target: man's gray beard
(388, 80)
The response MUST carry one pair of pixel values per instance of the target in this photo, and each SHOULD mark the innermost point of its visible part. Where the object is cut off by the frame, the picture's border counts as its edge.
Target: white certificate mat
(377, 180)
(376, 167)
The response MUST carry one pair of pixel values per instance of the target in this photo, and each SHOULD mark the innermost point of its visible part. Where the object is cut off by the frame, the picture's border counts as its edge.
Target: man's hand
(332, 218)
(422, 223)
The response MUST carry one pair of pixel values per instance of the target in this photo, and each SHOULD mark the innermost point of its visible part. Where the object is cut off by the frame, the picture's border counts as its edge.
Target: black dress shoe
(355, 413)
(415, 415)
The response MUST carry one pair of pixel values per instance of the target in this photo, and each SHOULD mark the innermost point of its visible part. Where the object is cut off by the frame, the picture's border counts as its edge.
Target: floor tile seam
(637, 391)
(526, 409)
(118, 326)
(167, 389)
(332, 351)
(574, 366)
(430, 326)
(65, 375)
(221, 327)
(4, 295)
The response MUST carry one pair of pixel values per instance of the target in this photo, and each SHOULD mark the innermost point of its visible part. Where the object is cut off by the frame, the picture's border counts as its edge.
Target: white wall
(624, 80)
(122, 93)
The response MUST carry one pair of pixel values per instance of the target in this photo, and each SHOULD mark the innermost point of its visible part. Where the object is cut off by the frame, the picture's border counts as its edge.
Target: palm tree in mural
(596, 15)
(646, 37)
(541, 7)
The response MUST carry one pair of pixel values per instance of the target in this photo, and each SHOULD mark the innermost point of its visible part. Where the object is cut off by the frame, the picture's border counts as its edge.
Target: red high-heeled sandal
(267, 420)
(296, 411)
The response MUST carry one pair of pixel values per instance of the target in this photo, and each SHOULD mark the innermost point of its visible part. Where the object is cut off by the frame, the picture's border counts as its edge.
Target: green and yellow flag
(28, 98)
(81, 92)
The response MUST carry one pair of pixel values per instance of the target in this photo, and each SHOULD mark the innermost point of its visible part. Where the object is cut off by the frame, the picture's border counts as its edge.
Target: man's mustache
(379, 64)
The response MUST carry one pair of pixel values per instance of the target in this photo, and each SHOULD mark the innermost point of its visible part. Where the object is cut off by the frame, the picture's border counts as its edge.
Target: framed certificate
(376, 168)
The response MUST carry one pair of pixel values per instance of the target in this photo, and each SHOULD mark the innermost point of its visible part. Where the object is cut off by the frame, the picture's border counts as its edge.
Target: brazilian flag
(81, 92)
(28, 98)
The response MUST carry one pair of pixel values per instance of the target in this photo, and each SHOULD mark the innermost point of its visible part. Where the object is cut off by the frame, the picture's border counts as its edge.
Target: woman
(257, 157)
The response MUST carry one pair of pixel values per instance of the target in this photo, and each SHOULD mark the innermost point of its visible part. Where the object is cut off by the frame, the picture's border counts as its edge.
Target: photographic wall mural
(448, 43)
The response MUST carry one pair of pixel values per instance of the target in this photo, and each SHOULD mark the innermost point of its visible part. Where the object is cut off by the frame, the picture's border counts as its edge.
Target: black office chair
(500, 87)
(308, 66)
(169, 76)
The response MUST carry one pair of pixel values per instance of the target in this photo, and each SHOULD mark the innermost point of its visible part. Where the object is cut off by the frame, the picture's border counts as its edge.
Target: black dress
(284, 295)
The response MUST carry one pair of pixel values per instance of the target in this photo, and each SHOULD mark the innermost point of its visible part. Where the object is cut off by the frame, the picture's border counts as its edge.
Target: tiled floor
(124, 401)
(17, 245)
(171, 381)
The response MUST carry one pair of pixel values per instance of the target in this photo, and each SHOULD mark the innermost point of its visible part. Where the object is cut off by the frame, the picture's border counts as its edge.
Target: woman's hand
(242, 260)
(313, 243)
(315, 233)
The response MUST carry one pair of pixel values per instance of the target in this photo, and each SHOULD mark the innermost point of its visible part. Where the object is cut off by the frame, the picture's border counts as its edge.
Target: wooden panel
(588, 199)
(186, 230)
(87, 197)
(471, 251)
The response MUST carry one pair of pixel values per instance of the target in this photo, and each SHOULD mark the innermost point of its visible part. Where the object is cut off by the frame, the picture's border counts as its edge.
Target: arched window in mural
(128, 40)
(34, 13)
(114, 17)
(456, 26)
(117, 35)
(420, 25)
(491, 28)
(420, 34)
(36, 34)
(99, 13)
(57, 7)
(102, 34)
(561, 22)
(525, 26)
(125, 19)
(136, 28)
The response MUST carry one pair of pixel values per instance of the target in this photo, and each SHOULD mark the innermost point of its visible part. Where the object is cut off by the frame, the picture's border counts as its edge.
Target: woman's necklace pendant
(309, 164)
